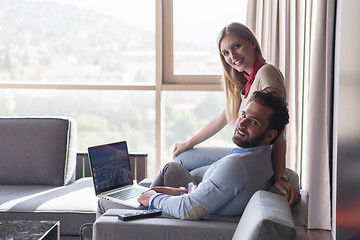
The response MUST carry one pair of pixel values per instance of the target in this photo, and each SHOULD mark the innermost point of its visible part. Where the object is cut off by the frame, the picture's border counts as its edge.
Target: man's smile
(241, 132)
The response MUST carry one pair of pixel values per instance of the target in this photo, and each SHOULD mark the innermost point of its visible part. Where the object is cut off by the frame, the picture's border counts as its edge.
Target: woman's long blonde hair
(234, 81)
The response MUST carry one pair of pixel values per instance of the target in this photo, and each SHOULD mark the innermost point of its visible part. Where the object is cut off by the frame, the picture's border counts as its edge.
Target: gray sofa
(266, 216)
(38, 174)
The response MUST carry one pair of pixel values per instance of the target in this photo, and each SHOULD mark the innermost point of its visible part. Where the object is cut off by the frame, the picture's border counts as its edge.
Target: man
(229, 183)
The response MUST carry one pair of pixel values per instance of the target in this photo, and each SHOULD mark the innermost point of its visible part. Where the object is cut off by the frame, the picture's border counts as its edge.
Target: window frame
(165, 80)
(168, 55)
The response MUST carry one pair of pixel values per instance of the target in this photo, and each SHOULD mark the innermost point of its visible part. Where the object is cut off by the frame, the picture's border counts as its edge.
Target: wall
(347, 122)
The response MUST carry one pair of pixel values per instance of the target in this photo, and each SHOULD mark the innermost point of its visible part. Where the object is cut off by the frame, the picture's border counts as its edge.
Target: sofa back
(37, 151)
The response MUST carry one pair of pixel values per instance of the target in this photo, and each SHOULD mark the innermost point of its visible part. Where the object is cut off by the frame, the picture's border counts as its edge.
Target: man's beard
(248, 143)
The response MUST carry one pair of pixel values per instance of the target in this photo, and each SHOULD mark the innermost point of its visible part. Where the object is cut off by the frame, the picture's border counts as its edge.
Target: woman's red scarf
(250, 78)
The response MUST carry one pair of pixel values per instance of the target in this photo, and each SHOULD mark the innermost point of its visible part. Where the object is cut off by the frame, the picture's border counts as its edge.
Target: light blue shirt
(226, 188)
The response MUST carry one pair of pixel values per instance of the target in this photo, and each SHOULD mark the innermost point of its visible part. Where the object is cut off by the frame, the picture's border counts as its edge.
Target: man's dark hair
(280, 116)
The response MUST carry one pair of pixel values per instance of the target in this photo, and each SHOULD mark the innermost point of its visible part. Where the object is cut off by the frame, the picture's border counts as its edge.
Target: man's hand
(291, 193)
(144, 198)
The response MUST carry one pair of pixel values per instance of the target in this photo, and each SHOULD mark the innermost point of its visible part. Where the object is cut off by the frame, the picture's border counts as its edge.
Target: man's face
(252, 126)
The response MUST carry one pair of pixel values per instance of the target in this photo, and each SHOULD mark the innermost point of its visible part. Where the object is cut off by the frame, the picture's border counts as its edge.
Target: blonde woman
(244, 72)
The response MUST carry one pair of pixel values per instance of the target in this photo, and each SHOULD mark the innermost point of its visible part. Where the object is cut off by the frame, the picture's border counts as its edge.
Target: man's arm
(145, 197)
(224, 182)
(170, 190)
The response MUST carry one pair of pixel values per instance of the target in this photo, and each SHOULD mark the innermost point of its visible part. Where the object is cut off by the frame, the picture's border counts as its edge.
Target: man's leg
(173, 174)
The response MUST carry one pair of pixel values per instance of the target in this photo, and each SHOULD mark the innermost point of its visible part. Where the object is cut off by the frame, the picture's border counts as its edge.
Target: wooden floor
(319, 235)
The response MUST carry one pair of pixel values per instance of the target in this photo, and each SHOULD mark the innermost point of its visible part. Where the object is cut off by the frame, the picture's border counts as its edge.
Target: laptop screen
(110, 166)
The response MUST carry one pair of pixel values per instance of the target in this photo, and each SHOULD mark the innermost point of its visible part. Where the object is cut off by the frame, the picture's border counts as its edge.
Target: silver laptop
(111, 173)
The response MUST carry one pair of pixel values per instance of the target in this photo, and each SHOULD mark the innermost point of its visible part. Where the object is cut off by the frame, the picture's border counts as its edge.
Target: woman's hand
(181, 147)
(291, 193)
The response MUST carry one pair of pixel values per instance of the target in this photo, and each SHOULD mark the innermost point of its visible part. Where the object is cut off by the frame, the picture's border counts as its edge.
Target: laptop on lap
(111, 173)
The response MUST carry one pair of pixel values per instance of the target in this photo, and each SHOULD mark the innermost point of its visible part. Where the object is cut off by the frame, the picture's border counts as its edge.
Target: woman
(245, 71)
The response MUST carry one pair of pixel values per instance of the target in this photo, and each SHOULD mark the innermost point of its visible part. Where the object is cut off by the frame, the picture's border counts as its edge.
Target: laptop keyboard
(127, 193)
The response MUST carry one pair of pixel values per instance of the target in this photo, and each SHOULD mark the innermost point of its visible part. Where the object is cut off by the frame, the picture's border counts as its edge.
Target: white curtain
(297, 36)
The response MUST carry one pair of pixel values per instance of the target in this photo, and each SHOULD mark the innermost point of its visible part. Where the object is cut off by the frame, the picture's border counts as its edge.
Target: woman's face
(238, 53)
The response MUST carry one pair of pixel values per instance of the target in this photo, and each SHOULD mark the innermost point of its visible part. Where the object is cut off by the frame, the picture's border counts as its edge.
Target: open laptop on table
(111, 173)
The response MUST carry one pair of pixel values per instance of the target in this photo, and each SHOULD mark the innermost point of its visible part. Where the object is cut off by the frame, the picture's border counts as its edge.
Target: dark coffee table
(25, 229)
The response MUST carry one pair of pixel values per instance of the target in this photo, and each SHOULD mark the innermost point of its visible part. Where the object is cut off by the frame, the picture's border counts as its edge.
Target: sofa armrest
(300, 210)
(266, 216)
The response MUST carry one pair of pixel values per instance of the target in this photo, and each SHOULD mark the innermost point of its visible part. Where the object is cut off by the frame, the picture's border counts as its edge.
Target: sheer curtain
(297, 36)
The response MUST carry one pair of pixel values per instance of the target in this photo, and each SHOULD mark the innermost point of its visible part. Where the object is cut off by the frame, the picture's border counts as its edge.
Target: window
(186, 113)
(78, 41)
(191, 32)
(123, 72)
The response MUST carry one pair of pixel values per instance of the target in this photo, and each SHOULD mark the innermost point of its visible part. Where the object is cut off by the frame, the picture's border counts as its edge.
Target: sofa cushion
(72, 205)
(37, 151)
(109, 227)
(267, 216)
(293, 178)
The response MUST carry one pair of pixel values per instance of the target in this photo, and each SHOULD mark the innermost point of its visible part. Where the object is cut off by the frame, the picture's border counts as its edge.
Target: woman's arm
(213, 127)
(281, 178)
(279, 165)
(278, 156)
(279, 147)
